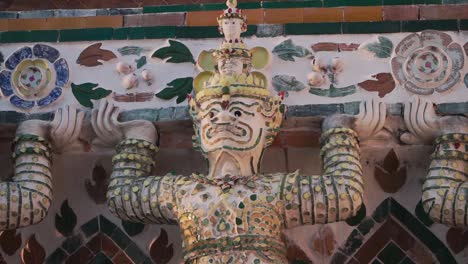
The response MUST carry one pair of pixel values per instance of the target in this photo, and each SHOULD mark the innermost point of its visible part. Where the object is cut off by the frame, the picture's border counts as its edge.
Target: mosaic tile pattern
(101, 241)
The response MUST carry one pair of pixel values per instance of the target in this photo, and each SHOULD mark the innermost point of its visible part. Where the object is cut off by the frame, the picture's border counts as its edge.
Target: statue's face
(239, 126)
(232, 28)
(230, 66)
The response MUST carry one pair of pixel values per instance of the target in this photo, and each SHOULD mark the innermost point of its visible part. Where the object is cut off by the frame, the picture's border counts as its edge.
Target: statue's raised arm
(337, 194)
(445, 188)
(25, 200)
(132, 194)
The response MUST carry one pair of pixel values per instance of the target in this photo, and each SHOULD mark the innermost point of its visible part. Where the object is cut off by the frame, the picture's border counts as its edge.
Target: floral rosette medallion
(428, 61)
(34, 76)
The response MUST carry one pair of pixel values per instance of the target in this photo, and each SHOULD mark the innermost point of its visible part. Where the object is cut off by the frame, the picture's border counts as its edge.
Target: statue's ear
(206, 61)
(201, 78)
(260, 57)
(260, 78)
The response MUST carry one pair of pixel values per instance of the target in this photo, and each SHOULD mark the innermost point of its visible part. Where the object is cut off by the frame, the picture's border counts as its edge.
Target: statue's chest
(208, 211)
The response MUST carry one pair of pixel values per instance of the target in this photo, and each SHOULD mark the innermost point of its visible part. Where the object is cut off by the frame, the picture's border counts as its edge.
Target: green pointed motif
(176, 52)
(86, 92)
(333, 91)
(178, 87)
(287, 50)
(141, 62)
(381, 49)
(65, 222)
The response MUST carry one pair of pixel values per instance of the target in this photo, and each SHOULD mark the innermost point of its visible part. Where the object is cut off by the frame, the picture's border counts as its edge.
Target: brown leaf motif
(92, 55)
(324, 242)
(10, 241)
(97, 191)
(160, 251)
(133, 97)
(390, 176)
(33, 252)
(457, 239)
(296, 254)
(383, 85)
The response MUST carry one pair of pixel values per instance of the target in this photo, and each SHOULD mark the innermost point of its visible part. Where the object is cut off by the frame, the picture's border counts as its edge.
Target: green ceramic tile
(407, 260)
(463, 24)
(106, 226)
(249, 5)
(338, 258)
(353, 242)
(292, 4)
(371, 27)
(365, 226)
(427, 2)
(420, 25)
(100, 258)
(312, 28)
(381, 212)
(147, 261)
(120, 33)
(120, 238)
(454, 1)
(333, 3)
(391, 254)
(136, 33)
(376, 261)
(160, 32)
(91, 227)
(397, 2)
(421, 232)
(58, 256)
(197, 32)
(29, 36)
(135, 253)
(86, 34)
(71, 244)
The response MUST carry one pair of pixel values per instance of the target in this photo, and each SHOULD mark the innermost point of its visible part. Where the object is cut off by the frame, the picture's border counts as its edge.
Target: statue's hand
(63, 130)
(371, 118)
(110, 131)
(368, 122)
(425, 125)
(66, 127)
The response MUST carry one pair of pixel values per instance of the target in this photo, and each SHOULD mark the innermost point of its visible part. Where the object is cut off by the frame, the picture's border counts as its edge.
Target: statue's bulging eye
(211, 114)
(238, 113)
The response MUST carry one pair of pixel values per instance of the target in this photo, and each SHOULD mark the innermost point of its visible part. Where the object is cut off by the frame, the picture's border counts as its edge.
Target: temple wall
(325, 68)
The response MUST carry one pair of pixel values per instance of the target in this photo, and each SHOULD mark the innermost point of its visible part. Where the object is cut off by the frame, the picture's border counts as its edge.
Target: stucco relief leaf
(333, 91)
(141, 62)
(86, 92)
(324, 242)
(179, 87)
(33, 252)
(131, 50)
(176, 52)
(287, 83)
(457, 239)
(287, 50)
(92, 55)
(390, 175)
(65, 222)
(381, 49)
(160, 251)
(97, 187)
(383, 84)
(10, 241)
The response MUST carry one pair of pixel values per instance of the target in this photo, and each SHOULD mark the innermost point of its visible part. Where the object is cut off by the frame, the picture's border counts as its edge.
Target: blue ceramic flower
(34, 76)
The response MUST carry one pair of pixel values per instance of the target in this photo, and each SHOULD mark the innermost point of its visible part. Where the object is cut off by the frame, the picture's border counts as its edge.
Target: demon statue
(234, 214)
(26, 199)
(445, 188)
